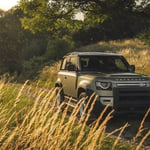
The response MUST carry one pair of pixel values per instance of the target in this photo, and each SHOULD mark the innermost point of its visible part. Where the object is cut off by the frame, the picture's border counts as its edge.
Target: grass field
(29, 118)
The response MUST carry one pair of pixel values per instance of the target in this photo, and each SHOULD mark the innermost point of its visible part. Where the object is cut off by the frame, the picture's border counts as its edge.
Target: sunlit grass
(36, 123)
(141, 59)
(135, 51)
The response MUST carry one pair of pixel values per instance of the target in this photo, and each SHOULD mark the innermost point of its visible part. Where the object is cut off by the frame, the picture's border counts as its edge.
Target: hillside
(29, 118)
(135, 51)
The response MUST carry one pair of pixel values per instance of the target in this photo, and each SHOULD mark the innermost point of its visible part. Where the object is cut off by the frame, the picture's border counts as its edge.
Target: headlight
(148, 84)
(103, 85)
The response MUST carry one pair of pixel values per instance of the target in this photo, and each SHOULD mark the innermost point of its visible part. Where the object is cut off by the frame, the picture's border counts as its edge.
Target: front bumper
(126, 100)
(136, 100)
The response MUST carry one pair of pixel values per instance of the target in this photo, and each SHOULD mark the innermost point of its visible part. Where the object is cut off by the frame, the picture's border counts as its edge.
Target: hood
(118, 76)
(124, 75)
(128, 77)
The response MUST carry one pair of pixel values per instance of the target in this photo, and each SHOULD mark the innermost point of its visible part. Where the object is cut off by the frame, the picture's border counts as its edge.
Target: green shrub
(48, 75)
(32, 67)
(145, 36)
(35, 47)
(57, 48)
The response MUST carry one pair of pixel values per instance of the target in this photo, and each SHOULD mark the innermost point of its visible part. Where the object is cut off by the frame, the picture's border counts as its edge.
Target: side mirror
(71, 67)
(132, 68)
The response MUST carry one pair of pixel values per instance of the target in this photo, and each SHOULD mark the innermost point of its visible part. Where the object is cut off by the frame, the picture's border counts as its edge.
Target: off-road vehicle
(109, 76)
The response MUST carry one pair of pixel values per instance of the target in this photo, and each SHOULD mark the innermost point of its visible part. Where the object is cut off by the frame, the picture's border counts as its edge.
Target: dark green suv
(109, 76)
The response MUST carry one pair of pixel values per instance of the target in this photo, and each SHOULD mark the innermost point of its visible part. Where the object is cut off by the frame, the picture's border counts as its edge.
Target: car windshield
(104, 63)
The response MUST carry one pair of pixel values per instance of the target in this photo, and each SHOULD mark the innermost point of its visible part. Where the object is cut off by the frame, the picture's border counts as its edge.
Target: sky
(7, 4)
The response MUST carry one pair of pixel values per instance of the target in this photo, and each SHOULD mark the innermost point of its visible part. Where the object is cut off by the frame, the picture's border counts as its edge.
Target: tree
(112, 19)
(11, 40)
(104, 19)
(2, 13)
(53, 16)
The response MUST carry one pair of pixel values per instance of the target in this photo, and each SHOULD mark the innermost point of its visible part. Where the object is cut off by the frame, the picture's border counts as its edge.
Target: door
(70, 77)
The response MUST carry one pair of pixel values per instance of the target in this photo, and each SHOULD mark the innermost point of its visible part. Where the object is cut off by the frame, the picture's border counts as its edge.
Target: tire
(82, 112)
(59, 97)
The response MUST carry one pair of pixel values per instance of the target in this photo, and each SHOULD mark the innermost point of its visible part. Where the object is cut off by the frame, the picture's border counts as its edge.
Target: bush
(57, 48)
(35, 47)
(145, 36)
(32, 67)
(48, 75)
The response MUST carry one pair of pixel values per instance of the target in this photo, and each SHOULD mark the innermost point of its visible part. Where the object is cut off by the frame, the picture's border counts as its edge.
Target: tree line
(36, 31)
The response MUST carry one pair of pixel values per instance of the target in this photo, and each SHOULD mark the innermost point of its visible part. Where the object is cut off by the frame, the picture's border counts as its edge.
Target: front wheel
(59, 97)
(82, 111)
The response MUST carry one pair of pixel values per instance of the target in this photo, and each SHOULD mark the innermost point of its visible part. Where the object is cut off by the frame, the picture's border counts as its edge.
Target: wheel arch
(88, 91)
(60, 86)
(80, 90)
(57, 84)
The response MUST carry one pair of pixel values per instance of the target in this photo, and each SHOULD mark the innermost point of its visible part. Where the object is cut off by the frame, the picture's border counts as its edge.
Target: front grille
(131, 79)
(131, 98)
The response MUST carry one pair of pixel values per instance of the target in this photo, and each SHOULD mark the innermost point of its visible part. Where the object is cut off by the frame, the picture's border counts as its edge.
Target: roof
(92, 53)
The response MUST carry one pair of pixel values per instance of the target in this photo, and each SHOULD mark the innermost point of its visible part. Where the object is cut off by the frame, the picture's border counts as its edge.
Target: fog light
(107, 101)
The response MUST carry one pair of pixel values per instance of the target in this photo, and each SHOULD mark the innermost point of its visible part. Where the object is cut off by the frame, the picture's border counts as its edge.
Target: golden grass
(142, 141)
(135, 51)
(141, 59)
(141, 128)
(118, 137)
(43, 126)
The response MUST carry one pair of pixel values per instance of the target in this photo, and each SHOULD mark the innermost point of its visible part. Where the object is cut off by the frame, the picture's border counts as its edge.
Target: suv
(109, 76)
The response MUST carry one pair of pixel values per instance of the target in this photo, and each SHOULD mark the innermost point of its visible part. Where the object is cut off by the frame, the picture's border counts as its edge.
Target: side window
(74, 61)
(84, 61)
(67, 61)
(120, 64)
(64, 64)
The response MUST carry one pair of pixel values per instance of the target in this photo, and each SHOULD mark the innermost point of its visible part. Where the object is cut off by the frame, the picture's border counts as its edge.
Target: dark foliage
(42, 30)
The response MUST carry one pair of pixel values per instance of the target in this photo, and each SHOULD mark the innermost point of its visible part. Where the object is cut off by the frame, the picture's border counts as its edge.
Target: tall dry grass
(134, 50)
(141, 59)
(41, 125)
